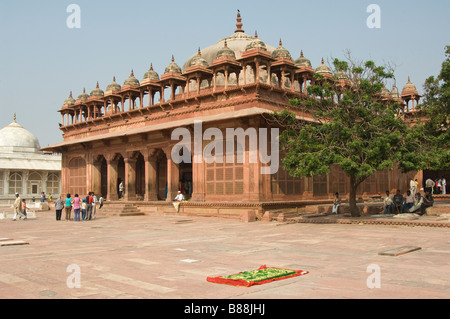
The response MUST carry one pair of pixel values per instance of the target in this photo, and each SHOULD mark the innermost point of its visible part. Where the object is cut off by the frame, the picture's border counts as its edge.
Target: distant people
(89, 201)
(398, 202)
(409, 201)
(388, 203)
(83, 209)
(429, 185)
(336, 203)
(18, 207)
(121, 190)
(76, 207)
(418, 201)
(413, 187)
(59, 205)
(42, 197)
(428, 201)
(68, 206)
(50, 197)
(100, 200)
(444, 186)
(94, 205)
(179, 197)
(24, 208)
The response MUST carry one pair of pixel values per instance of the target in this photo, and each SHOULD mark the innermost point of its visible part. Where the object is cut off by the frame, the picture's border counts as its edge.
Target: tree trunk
(354, 211)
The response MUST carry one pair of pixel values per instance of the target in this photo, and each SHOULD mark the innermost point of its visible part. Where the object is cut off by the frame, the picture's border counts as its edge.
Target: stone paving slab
(156, 257)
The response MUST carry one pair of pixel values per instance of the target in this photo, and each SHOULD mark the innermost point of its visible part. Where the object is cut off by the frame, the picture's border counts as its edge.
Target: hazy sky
(42, 60)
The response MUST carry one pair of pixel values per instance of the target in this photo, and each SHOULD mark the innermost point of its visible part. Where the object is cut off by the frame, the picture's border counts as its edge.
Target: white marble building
(24, 168)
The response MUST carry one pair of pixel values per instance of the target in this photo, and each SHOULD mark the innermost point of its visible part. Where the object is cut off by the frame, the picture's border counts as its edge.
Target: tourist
(429, 185)
(18, 207)
(444, 186)
(100, 200)
(24, 208)
(336, 203)
(89, 201)
(76, 207)
(59, 204)
(388, 204)
(83, 209)
(409, 201)
(68, 206)
(94, 205)
(398, 202)
(42, 197)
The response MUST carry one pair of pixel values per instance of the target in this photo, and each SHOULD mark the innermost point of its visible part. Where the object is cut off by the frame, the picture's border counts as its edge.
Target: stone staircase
(119, 209)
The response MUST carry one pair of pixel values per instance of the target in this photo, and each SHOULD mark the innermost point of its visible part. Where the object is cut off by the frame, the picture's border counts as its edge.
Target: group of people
(20, 208)
(83, 208)
(411, 203)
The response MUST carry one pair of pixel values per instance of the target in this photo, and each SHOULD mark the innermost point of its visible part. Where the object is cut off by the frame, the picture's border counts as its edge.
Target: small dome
(302, 61)
(394, 93)
(151, 74)
(131, 80)
(172, 67)
(225, 52)
(198, 60)
(281, 52)
(97, 91)
(70, 100)
(323, 69)
(14, 138)
(409, 88)
(83, 96)
(114, 86)
(256, 43)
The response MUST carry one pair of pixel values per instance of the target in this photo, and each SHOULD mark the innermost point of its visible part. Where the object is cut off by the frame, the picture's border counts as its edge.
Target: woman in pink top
(76, 207)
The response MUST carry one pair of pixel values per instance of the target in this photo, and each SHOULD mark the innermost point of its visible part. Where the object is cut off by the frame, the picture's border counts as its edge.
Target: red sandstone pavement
(170, 257)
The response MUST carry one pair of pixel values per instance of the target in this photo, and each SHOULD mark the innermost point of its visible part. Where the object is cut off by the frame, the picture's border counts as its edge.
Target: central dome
(14, 138)
(237, 42)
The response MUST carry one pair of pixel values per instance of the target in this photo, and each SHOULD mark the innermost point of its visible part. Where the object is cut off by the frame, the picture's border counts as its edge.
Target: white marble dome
(14, 138)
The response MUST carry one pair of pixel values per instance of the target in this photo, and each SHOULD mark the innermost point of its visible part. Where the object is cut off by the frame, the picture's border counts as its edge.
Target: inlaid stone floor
(168, 257)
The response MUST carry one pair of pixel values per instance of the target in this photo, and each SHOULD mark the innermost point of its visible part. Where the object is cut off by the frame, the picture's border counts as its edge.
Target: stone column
(151, 193)
(130, 179)
(112, 169)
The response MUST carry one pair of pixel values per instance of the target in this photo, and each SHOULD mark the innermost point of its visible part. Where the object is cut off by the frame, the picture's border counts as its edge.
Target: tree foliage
(435, 133)
(352, 125)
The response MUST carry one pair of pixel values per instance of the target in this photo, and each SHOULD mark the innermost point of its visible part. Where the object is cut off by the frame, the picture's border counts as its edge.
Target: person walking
(59, 205)
(68, 206)
(24, 208)
(76, 207)
(18, 207)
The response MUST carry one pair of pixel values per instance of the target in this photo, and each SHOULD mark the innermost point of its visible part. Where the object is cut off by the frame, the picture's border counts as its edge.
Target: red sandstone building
(123, 134)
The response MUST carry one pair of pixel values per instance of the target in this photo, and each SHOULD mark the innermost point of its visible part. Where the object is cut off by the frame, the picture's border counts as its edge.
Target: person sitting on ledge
(428, 201)
(179, 197)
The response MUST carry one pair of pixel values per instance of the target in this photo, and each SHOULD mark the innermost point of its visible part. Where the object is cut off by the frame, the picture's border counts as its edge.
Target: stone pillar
(151, 193)
(112, 169)
(97, 177)
(130, 179)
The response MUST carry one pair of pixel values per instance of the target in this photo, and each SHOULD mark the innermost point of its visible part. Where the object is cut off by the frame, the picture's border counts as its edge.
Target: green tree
(436, 106)
(353, 124)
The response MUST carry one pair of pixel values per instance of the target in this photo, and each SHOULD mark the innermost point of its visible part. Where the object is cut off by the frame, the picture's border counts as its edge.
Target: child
(24, 208)
(83, 209)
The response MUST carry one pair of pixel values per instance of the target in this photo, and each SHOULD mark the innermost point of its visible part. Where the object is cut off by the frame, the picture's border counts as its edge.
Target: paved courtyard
(170, 257)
